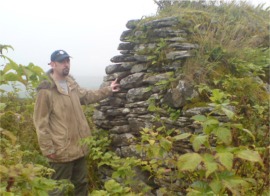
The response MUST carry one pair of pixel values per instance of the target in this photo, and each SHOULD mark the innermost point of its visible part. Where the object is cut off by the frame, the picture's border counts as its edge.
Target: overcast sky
(88, 30)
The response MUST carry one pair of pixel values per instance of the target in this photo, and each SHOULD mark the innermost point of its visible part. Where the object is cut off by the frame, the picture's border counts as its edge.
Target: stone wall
(149, 69)
(126, 112)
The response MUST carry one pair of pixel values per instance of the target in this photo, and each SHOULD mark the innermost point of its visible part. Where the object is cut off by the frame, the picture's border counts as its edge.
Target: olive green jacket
(59, 119)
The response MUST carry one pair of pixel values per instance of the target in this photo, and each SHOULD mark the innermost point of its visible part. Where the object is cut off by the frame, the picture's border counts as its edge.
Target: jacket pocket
(61, 144)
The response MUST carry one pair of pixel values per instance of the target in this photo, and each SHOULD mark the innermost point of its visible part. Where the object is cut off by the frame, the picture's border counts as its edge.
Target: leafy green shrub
(18, 176)
(113, 188)
(23, 169)
(221, 162)
(122, 169)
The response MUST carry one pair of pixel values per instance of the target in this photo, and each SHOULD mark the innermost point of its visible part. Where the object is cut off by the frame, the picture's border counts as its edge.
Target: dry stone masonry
(152, 55)
(126, 113)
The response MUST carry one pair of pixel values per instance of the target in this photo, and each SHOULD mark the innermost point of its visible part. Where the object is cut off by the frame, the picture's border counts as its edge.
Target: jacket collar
(52, 83)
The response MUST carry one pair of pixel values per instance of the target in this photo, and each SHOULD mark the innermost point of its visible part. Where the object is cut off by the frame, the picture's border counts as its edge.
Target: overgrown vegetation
(228, 157)
(23, 170)
(121, 170)
(231, 71)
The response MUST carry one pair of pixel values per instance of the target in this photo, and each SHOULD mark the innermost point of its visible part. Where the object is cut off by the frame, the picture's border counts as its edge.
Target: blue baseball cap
(59, 55)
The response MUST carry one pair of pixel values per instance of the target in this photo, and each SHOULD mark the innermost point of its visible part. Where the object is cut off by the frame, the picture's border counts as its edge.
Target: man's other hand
(51, 156)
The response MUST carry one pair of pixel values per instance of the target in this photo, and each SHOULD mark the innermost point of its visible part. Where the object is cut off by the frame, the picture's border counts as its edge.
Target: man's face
(61, 68)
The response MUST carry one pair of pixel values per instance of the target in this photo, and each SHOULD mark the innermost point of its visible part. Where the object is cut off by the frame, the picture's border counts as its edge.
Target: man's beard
(65, 71)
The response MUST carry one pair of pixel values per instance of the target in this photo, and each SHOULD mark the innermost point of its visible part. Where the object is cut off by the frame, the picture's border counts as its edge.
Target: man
(61, 124)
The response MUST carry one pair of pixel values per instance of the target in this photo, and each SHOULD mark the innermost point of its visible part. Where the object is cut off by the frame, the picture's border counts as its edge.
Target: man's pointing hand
(115, 86)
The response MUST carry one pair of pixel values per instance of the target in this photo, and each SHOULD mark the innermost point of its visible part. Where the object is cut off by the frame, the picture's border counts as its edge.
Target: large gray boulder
(138, 94)
(178, 96)
(131, 81)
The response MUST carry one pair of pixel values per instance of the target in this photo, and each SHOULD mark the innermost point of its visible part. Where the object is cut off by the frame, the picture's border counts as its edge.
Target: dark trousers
(76, 172)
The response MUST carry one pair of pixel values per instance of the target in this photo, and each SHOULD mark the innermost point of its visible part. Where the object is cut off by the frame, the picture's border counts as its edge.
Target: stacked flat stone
(126, 112)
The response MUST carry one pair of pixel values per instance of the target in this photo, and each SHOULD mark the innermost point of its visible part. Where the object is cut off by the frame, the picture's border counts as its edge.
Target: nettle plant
(216, 165)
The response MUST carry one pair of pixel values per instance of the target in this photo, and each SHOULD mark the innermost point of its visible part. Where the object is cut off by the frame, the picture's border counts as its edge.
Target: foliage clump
(23, 170)
(230, 70)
